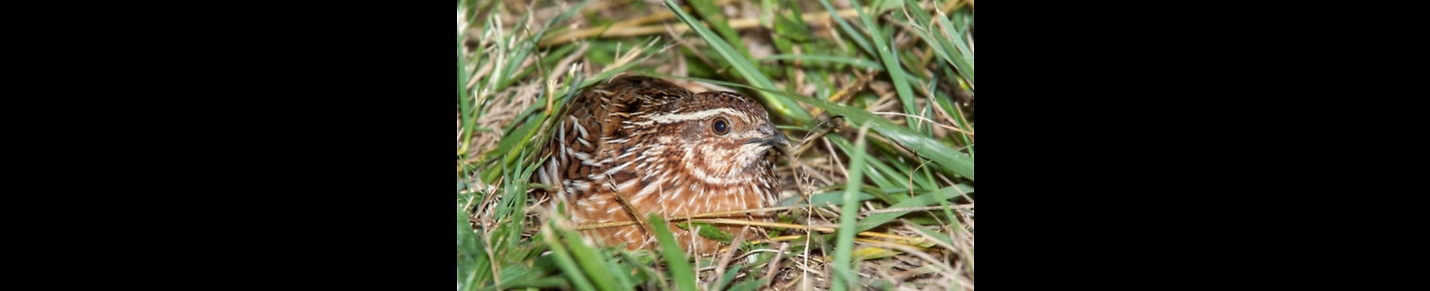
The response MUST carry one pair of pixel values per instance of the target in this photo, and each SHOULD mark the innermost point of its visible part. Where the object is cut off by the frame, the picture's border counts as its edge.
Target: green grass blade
(513, 213)
(564, 260)
(466, 253)
(844, 276)
(674, 257)
(590, 262)
(955, 37)
(618, 271)
(473, 267)
(725, 280)
(468, 121)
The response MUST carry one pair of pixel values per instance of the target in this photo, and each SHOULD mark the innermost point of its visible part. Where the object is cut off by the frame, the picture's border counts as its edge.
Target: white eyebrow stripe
(672, 118)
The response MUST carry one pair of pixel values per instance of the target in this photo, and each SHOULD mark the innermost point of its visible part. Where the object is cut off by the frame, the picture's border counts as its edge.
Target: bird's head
(721, 138)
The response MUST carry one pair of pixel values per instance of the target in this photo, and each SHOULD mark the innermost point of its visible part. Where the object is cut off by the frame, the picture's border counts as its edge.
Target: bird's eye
(721, 126)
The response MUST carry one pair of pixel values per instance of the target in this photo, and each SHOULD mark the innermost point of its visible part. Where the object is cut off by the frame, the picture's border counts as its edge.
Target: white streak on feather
(678, 117)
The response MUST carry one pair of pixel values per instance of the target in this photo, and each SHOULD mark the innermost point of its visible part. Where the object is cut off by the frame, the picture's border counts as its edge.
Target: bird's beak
(773, 138)
(781, 140)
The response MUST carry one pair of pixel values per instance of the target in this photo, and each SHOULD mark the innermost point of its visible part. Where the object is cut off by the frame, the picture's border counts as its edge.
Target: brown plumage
(664, 150)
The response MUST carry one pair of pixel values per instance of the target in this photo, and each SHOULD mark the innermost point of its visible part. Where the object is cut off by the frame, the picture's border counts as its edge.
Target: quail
(638, 145)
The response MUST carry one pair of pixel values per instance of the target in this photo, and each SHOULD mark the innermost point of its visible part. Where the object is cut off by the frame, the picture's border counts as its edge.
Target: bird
(636, 145)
